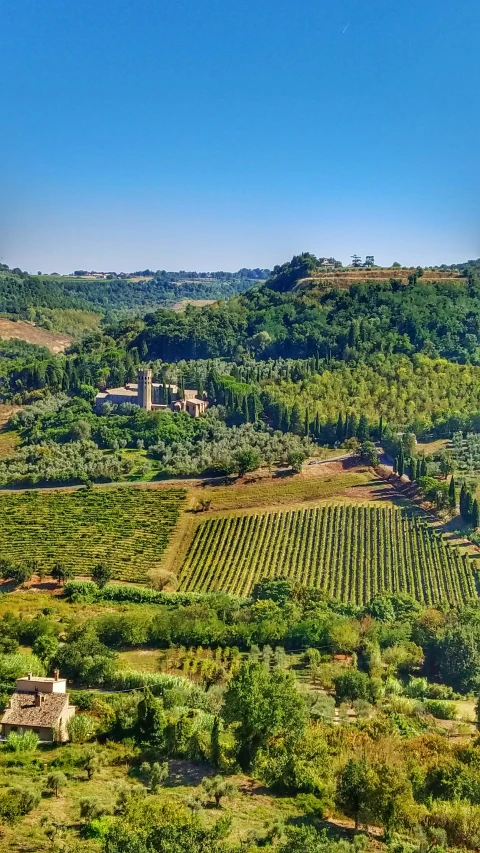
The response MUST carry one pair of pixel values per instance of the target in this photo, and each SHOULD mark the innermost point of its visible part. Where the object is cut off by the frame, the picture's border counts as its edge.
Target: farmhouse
(153, 396)
(40, 705)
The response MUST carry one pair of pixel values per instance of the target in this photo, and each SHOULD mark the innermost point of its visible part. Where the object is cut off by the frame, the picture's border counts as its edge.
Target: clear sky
(214, 134)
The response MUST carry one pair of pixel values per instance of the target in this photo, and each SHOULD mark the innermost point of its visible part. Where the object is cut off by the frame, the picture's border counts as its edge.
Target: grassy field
(351, 552)
(283, 490)
(126, 528)
(9, 439)
(250, 808)
(21, 330)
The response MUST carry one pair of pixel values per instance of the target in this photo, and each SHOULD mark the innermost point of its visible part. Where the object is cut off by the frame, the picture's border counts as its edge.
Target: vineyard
(351, 552)
(126, 528)
(466, 452)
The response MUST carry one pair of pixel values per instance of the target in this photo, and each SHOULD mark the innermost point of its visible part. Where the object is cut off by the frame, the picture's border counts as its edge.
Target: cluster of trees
(469, 509)
(63, 440)
(401, 659)
(77, 461)
(435, 319)
(391, 635)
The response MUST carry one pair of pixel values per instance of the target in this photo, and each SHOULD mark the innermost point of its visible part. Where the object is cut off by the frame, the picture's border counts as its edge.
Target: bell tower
(145, 388)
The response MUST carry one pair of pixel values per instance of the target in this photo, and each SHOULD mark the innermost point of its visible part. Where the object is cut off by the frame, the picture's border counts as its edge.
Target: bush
(15, 665)
(440, 710)
(351, 685)
(88, 591)
(81, 728)
(82, 700)
(16, 802)
(22, 741)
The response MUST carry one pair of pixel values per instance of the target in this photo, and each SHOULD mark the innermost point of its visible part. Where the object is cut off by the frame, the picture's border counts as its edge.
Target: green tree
(296, 423)
(215, 747)
(263, 705)
(217, 788)
(151, 720)
(451, 493)
(56, 782)
(296, 458)
(45, 647)
(61, 573)
(353, 790)
(101, 574)
(475, 516)
(368, 453)
(351, 685)
(19, 573)
(246, 460)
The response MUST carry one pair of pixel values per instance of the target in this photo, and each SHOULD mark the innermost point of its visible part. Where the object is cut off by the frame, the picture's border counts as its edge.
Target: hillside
(20, 330)
(267, 615)
(318, 282)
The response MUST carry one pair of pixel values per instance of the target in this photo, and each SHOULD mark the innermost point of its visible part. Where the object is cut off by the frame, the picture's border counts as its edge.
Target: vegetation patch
(352, 553)
(126, 529)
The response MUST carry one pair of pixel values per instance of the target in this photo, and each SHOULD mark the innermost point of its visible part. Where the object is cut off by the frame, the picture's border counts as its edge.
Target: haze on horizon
(214, 134)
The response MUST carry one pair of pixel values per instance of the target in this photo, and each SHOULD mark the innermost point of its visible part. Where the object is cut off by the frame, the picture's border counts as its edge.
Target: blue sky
(214, 134)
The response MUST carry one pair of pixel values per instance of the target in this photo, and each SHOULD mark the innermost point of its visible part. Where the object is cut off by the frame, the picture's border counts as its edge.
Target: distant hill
(309, 273)
(140, 291)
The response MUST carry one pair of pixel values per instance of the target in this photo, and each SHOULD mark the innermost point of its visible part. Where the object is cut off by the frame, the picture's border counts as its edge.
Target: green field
(351, 552)
(126, 528)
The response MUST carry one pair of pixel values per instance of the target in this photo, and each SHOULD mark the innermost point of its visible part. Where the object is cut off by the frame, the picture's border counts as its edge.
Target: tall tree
(265, 706)
(340, 433)
(451, 493)
(353, 790)
(296, 424)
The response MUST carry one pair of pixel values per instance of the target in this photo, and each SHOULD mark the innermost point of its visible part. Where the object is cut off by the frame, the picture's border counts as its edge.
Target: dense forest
(20, 291)
(270, 363)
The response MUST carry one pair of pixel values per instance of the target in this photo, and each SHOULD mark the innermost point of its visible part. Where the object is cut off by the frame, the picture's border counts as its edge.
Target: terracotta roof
(24, 712)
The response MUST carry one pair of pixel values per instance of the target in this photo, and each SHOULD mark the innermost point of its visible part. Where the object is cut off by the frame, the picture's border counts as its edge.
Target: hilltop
(307, 273)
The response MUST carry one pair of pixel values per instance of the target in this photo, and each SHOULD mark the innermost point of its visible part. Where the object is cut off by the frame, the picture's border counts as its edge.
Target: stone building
(40, 705)
(150, 396)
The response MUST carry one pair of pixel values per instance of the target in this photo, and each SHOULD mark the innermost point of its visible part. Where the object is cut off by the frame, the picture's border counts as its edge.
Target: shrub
(56, 782)
(440, 710)
(15, 665)
(217, 788)
(352, 685)
(81, 728)
(22, 741)
(16, 802)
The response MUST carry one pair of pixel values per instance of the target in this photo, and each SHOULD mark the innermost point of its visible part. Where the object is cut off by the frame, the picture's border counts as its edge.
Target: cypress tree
(468, 507)
(418, 469)
(245, 411)
(363, 431)
(317, 426)
(380, 428)
(401, 463)
(424, 467)
(215, 751)
(340, 434)
(395, 465)
(285, 420)
(411, 469)
(352, 426)
(475, 517)
(306, 427)
(451, 493)
(296, 424)
(463, 492)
